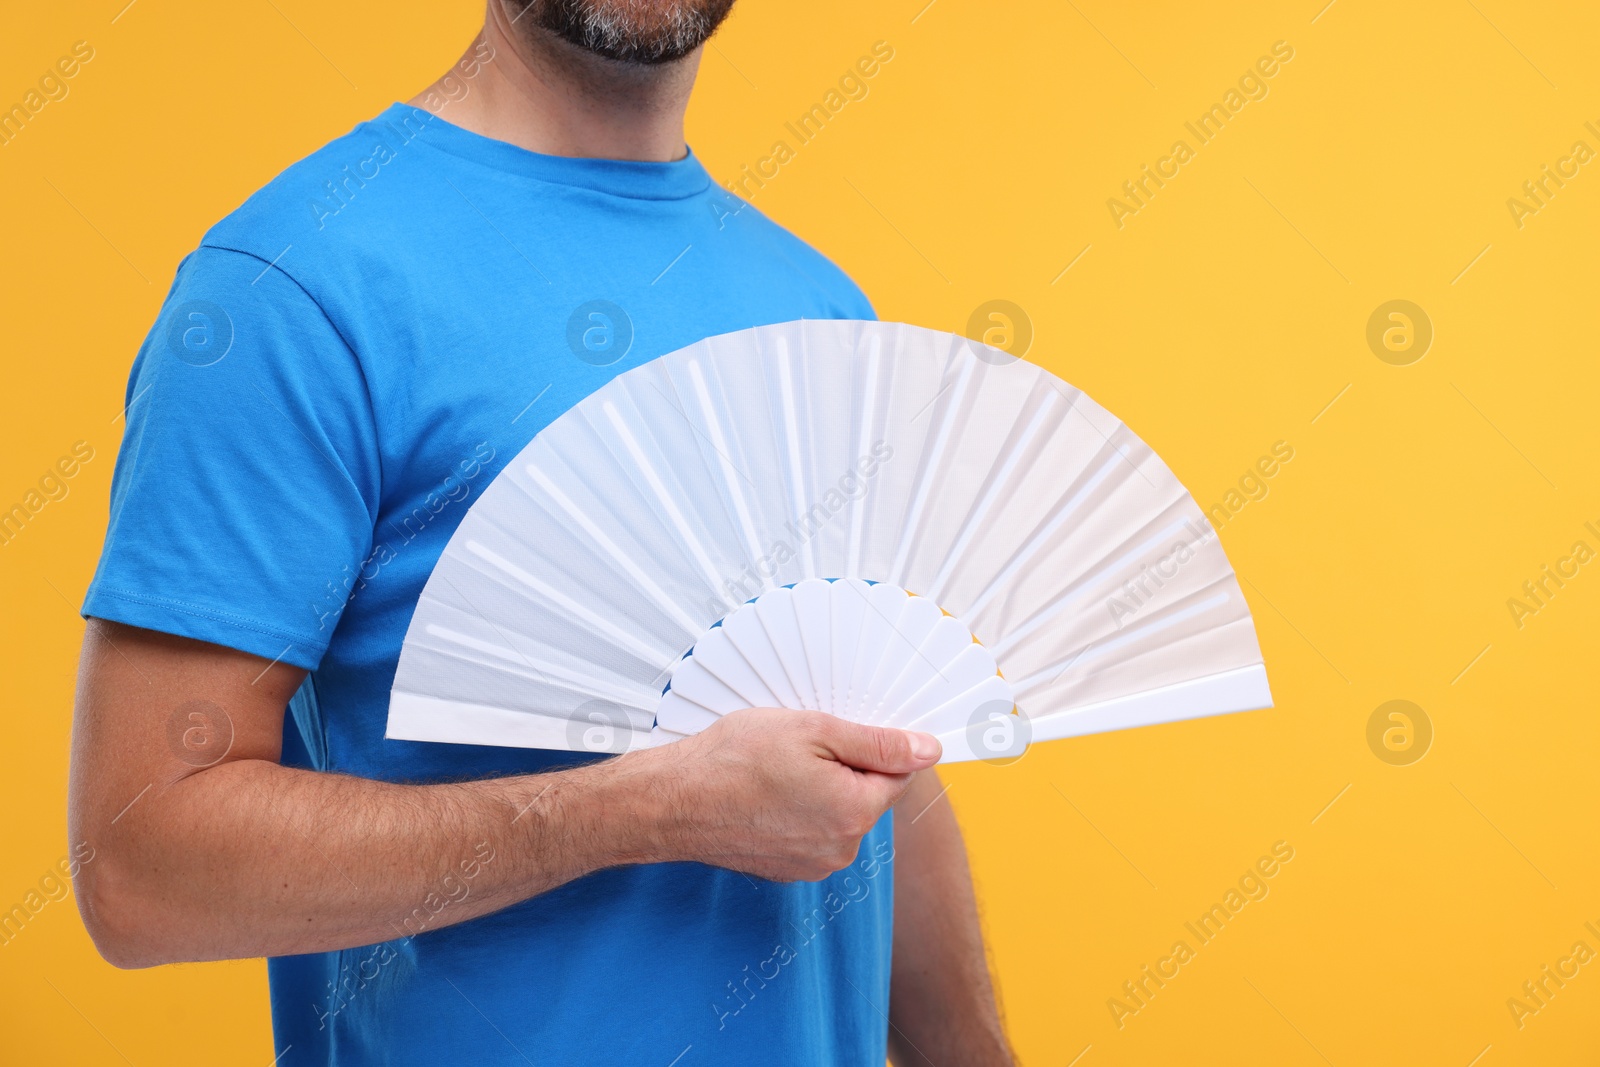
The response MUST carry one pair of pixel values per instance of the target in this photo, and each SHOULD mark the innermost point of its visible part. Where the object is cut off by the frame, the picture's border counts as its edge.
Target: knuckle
(889, 745)
(858, 822)
(857, 817)
(815, 722)
(842, 824)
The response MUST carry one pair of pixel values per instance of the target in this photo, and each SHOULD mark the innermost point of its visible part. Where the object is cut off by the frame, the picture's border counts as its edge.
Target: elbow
(126, 929)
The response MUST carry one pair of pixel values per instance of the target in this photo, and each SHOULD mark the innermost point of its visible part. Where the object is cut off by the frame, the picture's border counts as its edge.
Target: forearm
(205, 847)
(941, 1001)
(250, 858)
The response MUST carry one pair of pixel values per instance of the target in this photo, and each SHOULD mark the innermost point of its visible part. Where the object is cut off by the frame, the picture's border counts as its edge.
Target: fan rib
(677, 710)
(598, 623)
(418, 717)
(697, 682)
(663, 496)
(636, 572)
(812, 615)
(1001, 481)
(776, 612)
(919, 621)
(1111, 642)
(991, 690)
(833, 619)
(931, 464)
(962, 672)
(1093, 570)
(942, 644)
(730, 473)
(888, 604)
(722, 658)
(791, 427)
(1240, 689)
(868, 409)
(849, 615)
(1042, 534)
(543, 671)
(747, 634)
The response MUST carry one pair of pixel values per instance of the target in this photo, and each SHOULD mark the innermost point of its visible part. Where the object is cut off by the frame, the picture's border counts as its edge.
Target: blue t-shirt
(340, 370)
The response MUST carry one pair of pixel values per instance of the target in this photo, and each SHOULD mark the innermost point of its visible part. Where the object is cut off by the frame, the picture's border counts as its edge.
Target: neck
(548, 96)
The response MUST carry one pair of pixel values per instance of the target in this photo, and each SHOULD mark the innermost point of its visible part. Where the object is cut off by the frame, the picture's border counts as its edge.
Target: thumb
(884, 749)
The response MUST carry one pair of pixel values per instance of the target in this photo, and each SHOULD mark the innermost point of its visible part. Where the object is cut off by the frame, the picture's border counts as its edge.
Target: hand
(785, 795)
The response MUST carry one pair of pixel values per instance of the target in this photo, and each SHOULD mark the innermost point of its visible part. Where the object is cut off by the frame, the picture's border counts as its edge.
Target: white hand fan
(885, 523)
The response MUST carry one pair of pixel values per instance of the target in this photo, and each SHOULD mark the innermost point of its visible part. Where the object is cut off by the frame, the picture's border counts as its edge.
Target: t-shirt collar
(635, 179)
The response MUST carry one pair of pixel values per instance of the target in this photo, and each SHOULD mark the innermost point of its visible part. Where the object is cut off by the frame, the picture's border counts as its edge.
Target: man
(341, 367)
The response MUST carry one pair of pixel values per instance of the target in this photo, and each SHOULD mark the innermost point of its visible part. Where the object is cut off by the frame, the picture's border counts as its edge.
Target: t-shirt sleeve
(245, 493)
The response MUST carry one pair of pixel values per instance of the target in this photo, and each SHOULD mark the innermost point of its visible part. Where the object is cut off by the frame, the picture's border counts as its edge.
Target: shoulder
(324, 208)
(794, 253)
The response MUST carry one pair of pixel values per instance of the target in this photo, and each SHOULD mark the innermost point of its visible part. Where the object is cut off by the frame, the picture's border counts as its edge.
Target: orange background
(1229, 313)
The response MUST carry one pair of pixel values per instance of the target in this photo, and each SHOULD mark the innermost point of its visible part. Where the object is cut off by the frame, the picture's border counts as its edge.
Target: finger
(884, 749)
(885, 790)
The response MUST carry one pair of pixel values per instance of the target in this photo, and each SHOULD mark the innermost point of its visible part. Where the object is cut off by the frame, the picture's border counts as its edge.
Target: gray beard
(630, 31)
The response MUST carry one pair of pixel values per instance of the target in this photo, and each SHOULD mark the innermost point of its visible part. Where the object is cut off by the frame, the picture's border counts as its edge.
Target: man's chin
(630, 31)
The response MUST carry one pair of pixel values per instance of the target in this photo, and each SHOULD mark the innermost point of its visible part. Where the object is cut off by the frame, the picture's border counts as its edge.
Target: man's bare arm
(941, 1001)
(243, 857)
